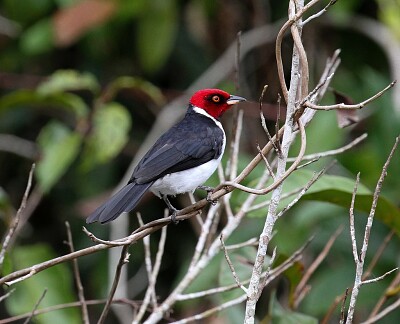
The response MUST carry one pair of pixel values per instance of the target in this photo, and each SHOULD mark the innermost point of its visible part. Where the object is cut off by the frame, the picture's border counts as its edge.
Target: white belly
(184, 181)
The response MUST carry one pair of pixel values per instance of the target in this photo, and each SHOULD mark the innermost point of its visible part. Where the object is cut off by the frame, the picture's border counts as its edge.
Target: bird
(180, 161)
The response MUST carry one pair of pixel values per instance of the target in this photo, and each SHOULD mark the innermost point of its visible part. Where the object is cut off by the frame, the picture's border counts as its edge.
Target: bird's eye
(216, 99)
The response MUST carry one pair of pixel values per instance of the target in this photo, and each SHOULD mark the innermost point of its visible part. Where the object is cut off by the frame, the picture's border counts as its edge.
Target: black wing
(193, 141)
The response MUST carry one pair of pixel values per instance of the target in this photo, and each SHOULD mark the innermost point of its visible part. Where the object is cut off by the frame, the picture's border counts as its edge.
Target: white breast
(184, 181)
(188, 180)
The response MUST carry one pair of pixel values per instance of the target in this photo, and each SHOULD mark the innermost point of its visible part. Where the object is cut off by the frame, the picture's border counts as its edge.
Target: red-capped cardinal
(180, 161)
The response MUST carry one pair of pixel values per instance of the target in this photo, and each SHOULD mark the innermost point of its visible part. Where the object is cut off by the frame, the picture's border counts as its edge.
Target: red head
(214, 101)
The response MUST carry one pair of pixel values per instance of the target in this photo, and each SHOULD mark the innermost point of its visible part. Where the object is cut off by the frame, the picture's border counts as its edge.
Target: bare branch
(395, 282)
(359, 260)
(288, 137)
(78, 281)
(320, 13)
(267, 165)
(352, 226)
(298, 294)
(280, 179)
(278, 45)
(272, 275)
(355, 106)
(63, 306)
(383, 313)
(251, 242)
(22, 147)
(231, 267)
(265, 277)
(100, 241)
(301, 193)
(14, 224)
(264, 124)
(6, 295)
(237, 119)
(372, 264)
(373, 280)
(122, 261)
(335, 151)
(29, 318)
(152, 275)
(212, 311)
(343, 307)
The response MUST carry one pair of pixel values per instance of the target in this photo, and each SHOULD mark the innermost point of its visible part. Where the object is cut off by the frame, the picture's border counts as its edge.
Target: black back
(195, 140)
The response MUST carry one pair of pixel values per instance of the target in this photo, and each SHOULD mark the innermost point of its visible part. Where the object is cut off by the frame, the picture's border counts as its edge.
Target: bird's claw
(173, 216)
(209, 194)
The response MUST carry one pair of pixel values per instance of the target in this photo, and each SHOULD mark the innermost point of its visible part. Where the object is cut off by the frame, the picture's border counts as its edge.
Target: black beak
(234, 100)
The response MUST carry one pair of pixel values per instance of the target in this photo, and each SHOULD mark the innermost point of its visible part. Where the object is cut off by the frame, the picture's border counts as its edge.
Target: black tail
(123, 201)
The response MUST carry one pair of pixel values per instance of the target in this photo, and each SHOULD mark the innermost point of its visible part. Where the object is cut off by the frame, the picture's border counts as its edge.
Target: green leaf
(337, 190)
(31, 98)
(280, 315)
(127, 82)
(128, 9)
(60, 147)
(157, 30)
(111, 125)
(389, 14)
(68, 80)
(57, 280)
(31, 11)
(38, 38)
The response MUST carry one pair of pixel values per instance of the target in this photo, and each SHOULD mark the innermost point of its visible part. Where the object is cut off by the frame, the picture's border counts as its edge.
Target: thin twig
(78, 281)
(35, 307)
(152, 277)
(352, 226)
(149, 267)
(251, 242)
(296, 31)
(343, 307)
(278, 117)
(267, 165)
(20, 146)
(212, 311)
(278, 45)
(373, 280)
(14, 223)
(355, 106)
(63, 306)
(395, 282)
(100, 241)
(333, 152)
(231, 267)
(277, 183)
(360, 258)
(320, 13)
(264, 124)
(301, 193)
(267, 202)
(231, 169)
(264, 280)
(122, 261)
(298, 295)
(372, 264)
(383, 313)
(6, 295)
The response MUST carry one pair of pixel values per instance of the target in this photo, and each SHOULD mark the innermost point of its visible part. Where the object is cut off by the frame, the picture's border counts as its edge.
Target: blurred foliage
(82, 81)
(28, 292)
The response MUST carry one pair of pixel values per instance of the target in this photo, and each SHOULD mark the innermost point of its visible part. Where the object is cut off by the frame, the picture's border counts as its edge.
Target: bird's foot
(209, 194)
(172, 210)
(173, 216)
